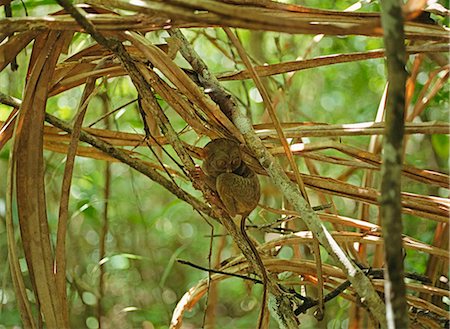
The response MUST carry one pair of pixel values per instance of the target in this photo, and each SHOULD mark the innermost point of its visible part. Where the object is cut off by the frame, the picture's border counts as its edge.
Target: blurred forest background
(125, 233)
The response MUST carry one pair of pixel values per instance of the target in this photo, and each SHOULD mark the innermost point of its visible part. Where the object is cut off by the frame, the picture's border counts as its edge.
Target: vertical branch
(102, 246)
(391, 217)
(105, 226)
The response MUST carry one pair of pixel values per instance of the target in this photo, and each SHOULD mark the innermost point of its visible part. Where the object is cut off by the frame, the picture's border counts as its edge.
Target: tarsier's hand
(198, 173)
(236, 184)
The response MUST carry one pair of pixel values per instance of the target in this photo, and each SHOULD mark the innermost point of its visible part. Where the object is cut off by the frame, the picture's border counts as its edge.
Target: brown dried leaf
(30, 178)
(15, 44)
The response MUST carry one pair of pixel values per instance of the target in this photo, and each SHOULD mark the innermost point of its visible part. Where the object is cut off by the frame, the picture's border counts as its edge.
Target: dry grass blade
(7, 127)
(436, 266)
(441, 75)
(332, 275)
(264, 131)
(13, 257)
(422, 206)
(30, 180)
(374, 161)
(97, 154)
(189, 13)
(437, 208)
(60, 250)
(353, 237)
(14, 46)
(311, 129)
(285, 67)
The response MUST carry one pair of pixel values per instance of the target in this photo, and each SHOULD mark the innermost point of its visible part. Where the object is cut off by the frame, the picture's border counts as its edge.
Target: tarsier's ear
(209, 148)
(203, 152)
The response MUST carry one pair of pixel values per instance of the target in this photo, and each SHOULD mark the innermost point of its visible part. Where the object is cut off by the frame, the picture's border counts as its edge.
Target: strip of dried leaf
(304, 64)
(425, 176)
(94, 153)
(30, 178)
(311, 129)
(13, 257)
(76, 69)
(60, 250)
(298, 267)
(10, 49)
(354, 237)
(7, 127)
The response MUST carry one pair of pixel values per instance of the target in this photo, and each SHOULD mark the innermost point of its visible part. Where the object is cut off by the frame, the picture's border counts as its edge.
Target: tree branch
(390, 200)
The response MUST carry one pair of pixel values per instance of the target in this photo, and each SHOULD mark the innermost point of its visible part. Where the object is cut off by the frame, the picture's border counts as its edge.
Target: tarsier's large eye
(236, 162)
(221, 163)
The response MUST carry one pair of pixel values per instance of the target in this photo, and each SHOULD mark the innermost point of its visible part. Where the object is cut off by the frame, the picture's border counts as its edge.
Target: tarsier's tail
(262, 269)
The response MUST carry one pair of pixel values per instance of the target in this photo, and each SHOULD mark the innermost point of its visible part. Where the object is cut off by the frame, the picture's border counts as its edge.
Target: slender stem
(391, 207)
(105, 226)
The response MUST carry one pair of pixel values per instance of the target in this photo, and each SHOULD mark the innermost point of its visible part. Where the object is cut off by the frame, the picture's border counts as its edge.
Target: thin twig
(185, 262)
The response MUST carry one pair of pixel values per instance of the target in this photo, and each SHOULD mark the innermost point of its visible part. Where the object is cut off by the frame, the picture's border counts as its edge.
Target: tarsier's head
(221, 155)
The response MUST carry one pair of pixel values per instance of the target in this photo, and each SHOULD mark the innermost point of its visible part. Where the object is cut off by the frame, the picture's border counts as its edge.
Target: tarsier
(235, 183)
(237, 187)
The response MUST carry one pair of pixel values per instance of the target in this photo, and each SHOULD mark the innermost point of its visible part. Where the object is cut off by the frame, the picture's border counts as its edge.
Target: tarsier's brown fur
(237, 187)
(235, 183)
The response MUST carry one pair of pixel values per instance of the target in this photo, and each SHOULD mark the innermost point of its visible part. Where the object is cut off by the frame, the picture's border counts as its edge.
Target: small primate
(237, 187)
(235, 183)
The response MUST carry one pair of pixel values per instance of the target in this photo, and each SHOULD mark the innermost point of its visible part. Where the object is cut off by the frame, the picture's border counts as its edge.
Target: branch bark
(390, 200)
